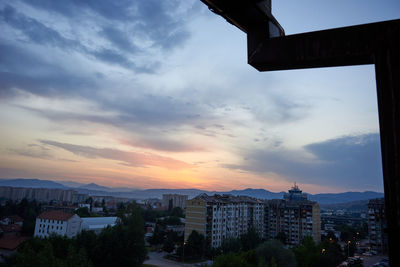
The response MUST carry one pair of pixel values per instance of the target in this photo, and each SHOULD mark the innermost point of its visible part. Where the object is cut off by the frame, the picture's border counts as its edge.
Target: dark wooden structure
(375, 43)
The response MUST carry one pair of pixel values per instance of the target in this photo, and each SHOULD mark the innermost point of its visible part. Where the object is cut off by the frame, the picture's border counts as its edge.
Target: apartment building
(377, 225)
(223, 216)
(295, 216)
(39, 194)
(176, 200)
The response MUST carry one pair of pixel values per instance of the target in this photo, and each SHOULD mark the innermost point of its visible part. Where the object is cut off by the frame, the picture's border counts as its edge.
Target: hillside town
(205, 228)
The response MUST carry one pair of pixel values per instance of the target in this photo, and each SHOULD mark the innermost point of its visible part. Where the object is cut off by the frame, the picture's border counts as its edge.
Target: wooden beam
(375, 43)
(346, 46)
(387, 69)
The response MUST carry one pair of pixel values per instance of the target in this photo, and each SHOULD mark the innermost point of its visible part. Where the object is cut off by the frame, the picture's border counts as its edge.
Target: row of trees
(161, 237)
(250, 250)
(27, 210)
(271, 253)
(152, 215)
(196, 246)
(121, 245)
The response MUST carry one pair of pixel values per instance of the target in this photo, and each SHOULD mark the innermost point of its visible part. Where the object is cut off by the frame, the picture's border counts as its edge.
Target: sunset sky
(158, 94)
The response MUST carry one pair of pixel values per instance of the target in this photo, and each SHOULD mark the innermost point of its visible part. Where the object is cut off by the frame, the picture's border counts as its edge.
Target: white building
(96, 224)
(84, 205)
(57, 222)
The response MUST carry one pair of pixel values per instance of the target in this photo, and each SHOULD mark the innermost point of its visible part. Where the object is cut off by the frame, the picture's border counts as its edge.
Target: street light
(348, 248)
(183, 253)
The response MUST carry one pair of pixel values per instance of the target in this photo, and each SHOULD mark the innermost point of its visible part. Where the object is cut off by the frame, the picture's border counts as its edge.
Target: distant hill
(70, 184)
(355, 206)
(95, 189)
(344, 197)
(32, 183)
(93, 186)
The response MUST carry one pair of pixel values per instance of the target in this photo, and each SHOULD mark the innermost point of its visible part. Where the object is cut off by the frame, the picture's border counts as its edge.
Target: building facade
(39, 194)
(377, 225)
(57, 222)
(220, 217)
(294, 216)
(175, 200)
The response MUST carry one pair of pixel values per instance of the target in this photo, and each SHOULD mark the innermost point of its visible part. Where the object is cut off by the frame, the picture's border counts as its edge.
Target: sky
(158, 94)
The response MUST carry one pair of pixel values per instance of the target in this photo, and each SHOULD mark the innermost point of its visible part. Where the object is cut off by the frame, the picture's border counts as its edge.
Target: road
(156, 258)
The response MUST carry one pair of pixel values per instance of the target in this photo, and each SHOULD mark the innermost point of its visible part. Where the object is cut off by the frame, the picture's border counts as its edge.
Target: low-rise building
(12, 219)
(57, 222)
(97, 224)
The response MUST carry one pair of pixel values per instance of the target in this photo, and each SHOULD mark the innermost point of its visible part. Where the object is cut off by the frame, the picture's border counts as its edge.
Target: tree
(82, 212)
(273, 251)
(121, 245)
(87, 240)
(168, 245)
(89, 200)
(330, 236)
(60, 245)
(195, 246)
(250, 240)
(230, 260)
(281, 236)
(149, 215)
(170, 205)
(231, 245)
(36, 253)
(331, 254)
(177, 212)
(307, 253)
(158, 236)
(77, 258)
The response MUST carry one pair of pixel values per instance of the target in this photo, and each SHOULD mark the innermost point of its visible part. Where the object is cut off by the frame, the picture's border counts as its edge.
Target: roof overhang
(246, 14)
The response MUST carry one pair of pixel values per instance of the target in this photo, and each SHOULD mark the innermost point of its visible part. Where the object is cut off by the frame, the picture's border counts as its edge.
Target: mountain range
(94, 189)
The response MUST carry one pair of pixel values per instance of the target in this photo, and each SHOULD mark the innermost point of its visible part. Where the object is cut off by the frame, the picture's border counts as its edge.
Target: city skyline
(159, 95)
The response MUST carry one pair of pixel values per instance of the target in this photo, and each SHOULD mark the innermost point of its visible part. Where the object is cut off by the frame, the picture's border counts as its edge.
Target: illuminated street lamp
(183, 253)
(348, 248)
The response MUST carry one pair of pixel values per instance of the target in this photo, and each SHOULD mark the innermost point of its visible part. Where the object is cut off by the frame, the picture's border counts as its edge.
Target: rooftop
(11, 242)
(14, 218)
(227, 198)
(55, 215)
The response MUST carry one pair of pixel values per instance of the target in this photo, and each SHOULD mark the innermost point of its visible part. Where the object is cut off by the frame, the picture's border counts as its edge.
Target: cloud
(36, 31)
(128, 34)
(37, 152)
(33, 151)
(163, 143)
(352, 161)
(133, 159)
(162, 23)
